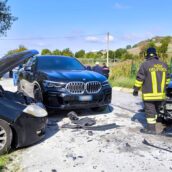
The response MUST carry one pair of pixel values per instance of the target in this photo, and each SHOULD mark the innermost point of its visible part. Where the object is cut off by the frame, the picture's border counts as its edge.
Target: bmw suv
(62, 82)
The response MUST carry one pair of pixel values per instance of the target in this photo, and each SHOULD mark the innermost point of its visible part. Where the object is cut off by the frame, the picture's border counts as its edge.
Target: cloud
(134, 36)
(92, 39)
(99, 39)
(111, 38)
(121, 6)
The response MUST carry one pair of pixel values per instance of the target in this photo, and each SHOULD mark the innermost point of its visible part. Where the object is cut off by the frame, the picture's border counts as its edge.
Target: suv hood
(9, 62)
(67, 76)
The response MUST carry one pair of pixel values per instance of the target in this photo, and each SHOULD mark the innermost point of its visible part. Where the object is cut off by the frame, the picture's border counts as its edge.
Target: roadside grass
(4, 159)
(123, 82)
(121, 74)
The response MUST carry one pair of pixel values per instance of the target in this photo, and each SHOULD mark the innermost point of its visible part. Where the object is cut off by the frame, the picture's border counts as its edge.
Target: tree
(111, 54)
(19, 49)
(67, 52)
(80, 54)
(128, 47)
(164, 45)
(45, 52)
(119, 52)
(151, 44)
(90, 55)
(56, 52)
(6, 18)
(162, 50)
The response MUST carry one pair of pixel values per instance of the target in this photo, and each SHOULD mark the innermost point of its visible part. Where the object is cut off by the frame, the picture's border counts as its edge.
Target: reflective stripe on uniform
(168, 81)
(156, 116)
(152, 96)
(138, 83)
(163, 81)
(151, 120)
(155, 95)
(154, 82)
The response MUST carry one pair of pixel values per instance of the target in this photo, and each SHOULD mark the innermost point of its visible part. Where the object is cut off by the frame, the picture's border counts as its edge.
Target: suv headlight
(105, 83)
(35, 110)
(53, 84)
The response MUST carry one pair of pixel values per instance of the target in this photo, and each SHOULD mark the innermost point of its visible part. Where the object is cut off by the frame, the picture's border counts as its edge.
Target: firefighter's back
(155, 79)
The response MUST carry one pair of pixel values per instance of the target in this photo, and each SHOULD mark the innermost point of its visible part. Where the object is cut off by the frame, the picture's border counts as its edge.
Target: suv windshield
(58, 63)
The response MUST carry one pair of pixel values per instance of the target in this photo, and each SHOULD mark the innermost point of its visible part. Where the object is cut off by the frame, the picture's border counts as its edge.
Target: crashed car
(62, 82)
(20, 124)
(165, 110)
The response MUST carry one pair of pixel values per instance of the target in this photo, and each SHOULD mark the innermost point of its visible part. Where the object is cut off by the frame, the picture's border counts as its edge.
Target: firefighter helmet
(151, 51)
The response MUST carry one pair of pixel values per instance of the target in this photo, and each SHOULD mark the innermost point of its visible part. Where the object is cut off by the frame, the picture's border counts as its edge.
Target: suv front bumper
(57, 100)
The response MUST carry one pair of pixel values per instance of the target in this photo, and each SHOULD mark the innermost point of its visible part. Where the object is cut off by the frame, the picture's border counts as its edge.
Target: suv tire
(5, 137)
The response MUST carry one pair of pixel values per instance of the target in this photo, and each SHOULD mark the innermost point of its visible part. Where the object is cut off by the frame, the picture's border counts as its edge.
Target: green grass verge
(122, 82)
(4, 159)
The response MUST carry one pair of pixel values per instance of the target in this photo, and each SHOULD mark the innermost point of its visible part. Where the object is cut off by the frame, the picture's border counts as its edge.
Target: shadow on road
(140, 117)
(89, 112)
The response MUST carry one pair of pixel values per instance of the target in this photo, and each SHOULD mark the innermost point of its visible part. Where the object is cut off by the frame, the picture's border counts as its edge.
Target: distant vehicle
(20, 124)
(62, 82)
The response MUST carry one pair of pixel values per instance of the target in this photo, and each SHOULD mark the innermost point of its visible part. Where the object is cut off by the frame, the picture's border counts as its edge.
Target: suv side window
(31, 61)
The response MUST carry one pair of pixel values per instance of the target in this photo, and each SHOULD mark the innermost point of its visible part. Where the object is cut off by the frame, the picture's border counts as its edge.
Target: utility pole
(107, 51)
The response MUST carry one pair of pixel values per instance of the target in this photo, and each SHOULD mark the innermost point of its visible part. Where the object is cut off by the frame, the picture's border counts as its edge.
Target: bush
(123, 82)
(4, 159)
(121, 74)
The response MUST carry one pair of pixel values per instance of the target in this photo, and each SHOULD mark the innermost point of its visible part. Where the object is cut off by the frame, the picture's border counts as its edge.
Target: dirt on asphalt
(113, 148)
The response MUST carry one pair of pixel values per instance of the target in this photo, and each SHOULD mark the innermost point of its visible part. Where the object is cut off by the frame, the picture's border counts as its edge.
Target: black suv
(62, 82)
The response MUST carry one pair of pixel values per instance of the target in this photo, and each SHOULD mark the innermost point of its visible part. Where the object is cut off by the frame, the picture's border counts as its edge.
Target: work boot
(167, 131)
(150, 129)
(141, 110)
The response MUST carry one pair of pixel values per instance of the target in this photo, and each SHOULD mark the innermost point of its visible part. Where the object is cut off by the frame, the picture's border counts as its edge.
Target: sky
(83, 24)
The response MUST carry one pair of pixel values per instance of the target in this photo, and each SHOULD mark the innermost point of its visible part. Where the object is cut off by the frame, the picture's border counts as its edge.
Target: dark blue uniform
(98, 69)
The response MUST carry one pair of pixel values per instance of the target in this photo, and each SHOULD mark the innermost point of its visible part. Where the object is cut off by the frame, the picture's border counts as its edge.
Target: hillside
(137, 47)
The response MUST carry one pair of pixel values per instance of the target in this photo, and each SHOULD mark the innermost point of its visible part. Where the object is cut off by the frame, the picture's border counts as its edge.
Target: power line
(54, 37)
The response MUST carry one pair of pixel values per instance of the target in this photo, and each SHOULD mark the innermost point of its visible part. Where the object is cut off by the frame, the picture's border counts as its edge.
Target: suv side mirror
(27, 68)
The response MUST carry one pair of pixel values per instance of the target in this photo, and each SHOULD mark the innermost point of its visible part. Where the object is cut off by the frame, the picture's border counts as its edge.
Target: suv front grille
(75, 87)
(93, 87)
(80, 87)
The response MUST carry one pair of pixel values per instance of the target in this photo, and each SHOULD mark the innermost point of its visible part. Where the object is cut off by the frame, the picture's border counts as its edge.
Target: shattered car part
(86, 123)
(93, 128)
(80, 121)
(20, 124)
(73, 116)
(149, 144)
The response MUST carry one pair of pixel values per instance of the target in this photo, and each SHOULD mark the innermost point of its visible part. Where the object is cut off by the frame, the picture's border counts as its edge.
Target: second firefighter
(152, 77)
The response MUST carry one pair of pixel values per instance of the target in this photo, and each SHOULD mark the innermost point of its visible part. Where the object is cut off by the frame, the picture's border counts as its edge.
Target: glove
(135, 93)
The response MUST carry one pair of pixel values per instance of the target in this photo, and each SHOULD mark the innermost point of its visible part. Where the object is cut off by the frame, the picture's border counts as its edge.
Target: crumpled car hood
(9, 62)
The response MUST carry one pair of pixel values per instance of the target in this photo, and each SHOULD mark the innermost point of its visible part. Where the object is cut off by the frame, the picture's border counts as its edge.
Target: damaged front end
(30, 126)
(21, 124)
(165, 110)
(27, 122)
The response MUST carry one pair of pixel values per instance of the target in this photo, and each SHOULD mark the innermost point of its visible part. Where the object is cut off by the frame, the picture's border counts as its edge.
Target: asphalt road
(107, 148)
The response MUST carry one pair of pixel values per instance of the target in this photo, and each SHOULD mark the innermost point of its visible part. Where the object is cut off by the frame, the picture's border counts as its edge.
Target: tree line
(121, 53)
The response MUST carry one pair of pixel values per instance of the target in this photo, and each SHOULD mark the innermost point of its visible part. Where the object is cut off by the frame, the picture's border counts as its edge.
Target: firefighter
(105, 70)
(152, 77)
(97, 68)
